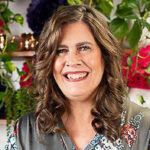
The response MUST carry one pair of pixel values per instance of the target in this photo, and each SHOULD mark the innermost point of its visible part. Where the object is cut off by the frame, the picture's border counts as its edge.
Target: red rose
(136, 74)
(1, 26)
(1, 23)
(26, 78)
(25, 68)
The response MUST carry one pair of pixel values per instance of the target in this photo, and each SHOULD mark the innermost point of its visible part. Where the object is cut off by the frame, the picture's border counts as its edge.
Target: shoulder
(28, 118)
(134, 109)
(25, 129)
(138, 114)
(26, 123)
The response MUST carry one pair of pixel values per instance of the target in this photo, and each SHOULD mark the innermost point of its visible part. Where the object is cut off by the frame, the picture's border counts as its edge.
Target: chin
(78, 96)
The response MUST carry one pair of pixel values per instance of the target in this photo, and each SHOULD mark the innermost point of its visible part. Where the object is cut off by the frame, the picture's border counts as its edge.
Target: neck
(79, 112)
(78, 123)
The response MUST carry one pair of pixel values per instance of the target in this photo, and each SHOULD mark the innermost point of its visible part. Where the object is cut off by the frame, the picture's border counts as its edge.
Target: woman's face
(78, 66)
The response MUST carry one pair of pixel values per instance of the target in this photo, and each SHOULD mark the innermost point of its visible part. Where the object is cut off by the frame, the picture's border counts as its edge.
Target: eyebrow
(77, 44)
(83, 43)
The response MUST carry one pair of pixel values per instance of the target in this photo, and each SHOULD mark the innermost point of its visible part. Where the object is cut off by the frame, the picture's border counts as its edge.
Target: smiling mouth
(76, 76)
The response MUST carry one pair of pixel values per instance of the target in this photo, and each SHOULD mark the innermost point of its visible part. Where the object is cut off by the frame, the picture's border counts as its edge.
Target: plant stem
(90, 3)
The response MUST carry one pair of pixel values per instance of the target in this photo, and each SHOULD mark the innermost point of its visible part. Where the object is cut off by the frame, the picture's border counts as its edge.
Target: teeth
(76, 76)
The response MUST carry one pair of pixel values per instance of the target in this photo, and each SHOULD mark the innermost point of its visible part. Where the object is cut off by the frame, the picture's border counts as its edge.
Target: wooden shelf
(22, 54)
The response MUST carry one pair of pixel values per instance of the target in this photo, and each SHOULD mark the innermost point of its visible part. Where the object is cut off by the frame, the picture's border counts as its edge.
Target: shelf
(22, 54)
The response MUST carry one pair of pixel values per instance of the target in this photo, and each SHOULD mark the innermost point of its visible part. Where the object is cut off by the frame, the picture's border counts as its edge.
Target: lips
(75, 76)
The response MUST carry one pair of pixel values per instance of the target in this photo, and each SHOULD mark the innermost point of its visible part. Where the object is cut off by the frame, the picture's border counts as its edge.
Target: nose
(73, 59)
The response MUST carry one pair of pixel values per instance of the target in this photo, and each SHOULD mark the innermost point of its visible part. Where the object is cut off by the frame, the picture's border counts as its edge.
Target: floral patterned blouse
(129, 132)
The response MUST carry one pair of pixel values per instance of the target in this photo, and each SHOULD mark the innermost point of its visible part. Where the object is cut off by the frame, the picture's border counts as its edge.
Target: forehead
(76, 32)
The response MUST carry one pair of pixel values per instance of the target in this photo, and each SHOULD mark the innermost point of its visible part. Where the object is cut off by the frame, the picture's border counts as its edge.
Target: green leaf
(105, 6)
(20, 72)
(1, 103)
(70, 2)
(134, 35)
(78, 2)
(129, 61)
(140, 99)
(134, 4)
(127, 10)
(146, 15)
(75, 2)
(18, 18)
(9, 66)
(147, 70)
(146, 3)
(2, 7)
(119, 27)
(2, 94)
(6, 27)
(8, 83)
(148, 80)
(12, 46)
(7, 14)
(4, 57)
(146, 24)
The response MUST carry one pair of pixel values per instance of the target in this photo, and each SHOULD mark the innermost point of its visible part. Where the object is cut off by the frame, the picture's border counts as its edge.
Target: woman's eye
(61, 51)
(84, 48)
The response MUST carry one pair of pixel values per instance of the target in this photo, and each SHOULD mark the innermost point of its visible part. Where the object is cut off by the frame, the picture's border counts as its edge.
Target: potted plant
(15, 102)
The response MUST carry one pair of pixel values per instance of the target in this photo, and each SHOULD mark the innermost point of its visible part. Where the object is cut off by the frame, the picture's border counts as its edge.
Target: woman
(82, 103)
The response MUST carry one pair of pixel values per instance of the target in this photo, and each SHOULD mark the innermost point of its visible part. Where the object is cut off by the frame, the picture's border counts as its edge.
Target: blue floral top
(100, 142)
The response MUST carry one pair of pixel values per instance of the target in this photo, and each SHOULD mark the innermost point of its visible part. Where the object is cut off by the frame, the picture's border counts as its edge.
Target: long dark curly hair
(51, 102)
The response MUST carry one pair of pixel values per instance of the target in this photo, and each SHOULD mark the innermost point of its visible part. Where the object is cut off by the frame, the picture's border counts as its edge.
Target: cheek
(57, 67)
(58, 64)
(98, 64)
